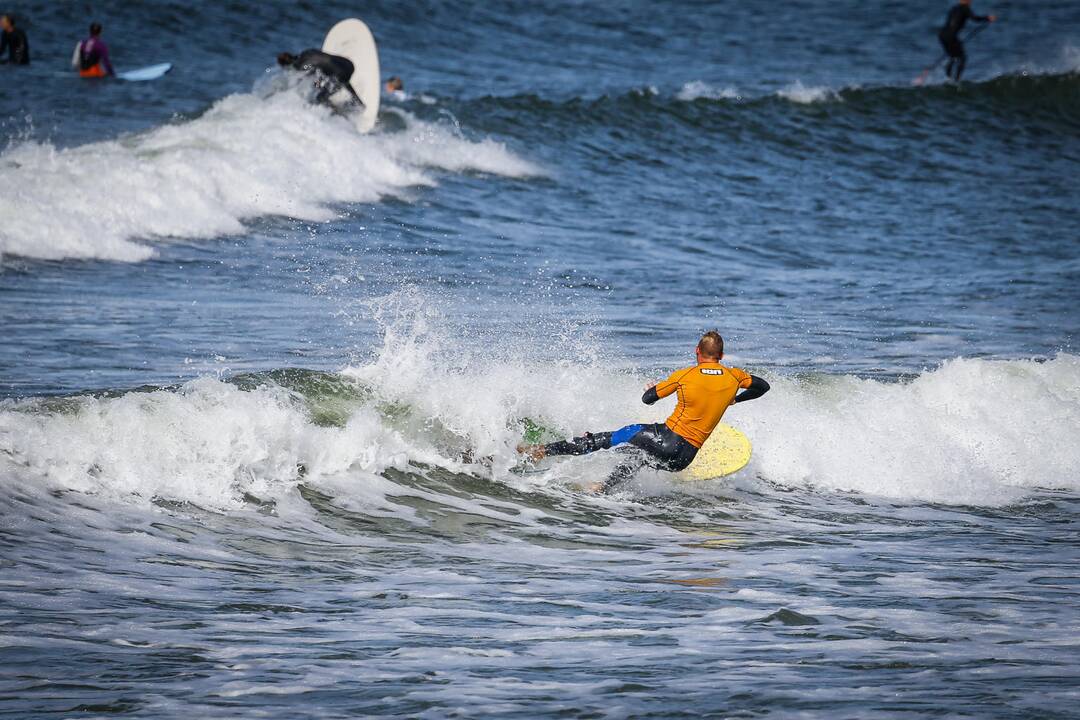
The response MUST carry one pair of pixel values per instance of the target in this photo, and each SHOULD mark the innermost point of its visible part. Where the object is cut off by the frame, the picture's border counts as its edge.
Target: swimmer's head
(710, 347)
(95, 29)
(285, 58)
(394, 84)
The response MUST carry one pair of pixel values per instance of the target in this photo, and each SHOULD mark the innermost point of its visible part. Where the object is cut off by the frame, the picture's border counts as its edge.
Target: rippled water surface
(527, 601)
(249, 356)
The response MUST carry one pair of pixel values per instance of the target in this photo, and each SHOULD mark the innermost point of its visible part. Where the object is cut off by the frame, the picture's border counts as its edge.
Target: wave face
(246, 157)
(1039, 98)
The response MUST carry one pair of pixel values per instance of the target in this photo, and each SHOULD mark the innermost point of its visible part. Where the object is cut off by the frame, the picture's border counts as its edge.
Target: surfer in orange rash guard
(705, 391)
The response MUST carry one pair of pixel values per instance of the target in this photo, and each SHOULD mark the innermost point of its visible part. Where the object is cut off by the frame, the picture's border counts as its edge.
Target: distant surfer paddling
(395, 88)
(950, 36)
(91, 56)
(333, 70)
(705, 391)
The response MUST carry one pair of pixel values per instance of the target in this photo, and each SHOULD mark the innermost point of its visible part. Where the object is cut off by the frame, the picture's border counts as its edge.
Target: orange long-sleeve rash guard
(705, 392)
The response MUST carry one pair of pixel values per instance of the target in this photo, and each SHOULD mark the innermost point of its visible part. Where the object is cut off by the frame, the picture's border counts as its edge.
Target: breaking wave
(973, 431)
(248, 156)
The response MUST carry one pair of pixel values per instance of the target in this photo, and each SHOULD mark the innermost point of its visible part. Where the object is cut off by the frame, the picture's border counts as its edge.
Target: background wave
(1053, 94)
(247, 156)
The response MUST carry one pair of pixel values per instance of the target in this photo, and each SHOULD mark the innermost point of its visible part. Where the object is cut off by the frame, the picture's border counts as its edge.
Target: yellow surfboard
(726, 451)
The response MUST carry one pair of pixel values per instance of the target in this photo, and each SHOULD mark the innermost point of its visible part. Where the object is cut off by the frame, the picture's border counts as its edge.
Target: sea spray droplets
(696, 90)
(478, 383)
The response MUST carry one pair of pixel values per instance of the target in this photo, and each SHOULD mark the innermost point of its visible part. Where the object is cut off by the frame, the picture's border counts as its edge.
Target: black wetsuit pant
(656, 445)
(957, 57)
(15, 44)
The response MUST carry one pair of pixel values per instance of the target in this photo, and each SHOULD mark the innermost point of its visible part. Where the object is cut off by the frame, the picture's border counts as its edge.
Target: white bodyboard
(351, 39)
(150, 72)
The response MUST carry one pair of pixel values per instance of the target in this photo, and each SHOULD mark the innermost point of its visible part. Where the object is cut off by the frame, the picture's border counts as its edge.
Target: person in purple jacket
(91, 56)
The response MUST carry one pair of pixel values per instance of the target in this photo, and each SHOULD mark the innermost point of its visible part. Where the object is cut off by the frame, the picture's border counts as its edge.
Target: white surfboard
(351, 39)
(150, 72)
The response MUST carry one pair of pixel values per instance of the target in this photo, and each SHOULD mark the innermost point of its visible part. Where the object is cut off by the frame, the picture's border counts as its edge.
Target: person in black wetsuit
(13, 40)
(950, 40)
(333, 68)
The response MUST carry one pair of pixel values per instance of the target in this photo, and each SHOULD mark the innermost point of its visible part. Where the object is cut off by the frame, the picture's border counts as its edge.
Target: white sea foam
(799, 93)
(207, 443)
(972, 431)
(698, 89)
(248, 156)
(977, 432)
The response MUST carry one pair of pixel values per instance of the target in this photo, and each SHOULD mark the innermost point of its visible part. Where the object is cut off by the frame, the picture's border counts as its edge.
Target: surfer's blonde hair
(711, 345)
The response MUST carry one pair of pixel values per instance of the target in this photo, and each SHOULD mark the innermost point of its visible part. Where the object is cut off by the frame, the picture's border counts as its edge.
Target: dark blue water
(245, 348)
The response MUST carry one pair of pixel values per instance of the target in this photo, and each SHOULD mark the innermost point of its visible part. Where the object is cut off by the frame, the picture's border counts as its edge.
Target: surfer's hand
(650, 386)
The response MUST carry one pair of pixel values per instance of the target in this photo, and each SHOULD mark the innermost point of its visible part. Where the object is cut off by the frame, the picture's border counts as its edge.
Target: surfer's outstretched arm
(664, 387)
(758, 387)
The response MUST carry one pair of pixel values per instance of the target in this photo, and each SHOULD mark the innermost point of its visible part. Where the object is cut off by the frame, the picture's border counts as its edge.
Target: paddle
(925, 73)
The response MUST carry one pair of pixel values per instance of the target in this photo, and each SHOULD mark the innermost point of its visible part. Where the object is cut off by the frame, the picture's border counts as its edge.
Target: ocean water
(246, 349)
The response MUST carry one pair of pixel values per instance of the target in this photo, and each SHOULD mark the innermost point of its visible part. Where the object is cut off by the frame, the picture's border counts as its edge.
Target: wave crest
(972, 432)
